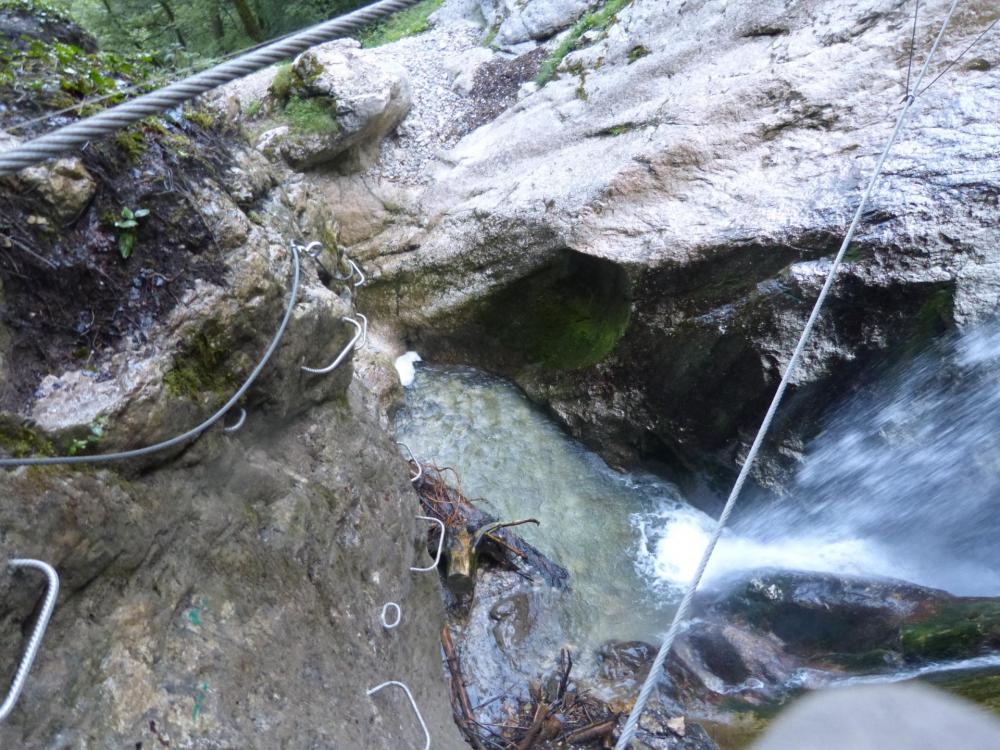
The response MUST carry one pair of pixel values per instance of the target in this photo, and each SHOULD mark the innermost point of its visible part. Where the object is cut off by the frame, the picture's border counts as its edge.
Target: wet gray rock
(692, 158)
(230, 599)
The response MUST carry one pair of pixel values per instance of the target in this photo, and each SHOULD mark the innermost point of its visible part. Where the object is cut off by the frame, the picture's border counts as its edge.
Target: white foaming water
(902, 483)
(406, 369)
(671, 543)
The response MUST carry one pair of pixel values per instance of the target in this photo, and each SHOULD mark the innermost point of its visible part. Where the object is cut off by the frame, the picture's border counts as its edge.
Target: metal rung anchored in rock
(420, 718)
(36, 636)
(343, 354)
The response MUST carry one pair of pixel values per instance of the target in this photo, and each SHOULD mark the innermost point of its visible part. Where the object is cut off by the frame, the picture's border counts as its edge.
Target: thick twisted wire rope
(73, 136)
(631, 724)
(194, 431)
(162, 80)
(35, 642)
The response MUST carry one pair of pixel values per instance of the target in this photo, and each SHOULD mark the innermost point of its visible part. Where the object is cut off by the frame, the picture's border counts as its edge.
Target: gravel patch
(430, 126)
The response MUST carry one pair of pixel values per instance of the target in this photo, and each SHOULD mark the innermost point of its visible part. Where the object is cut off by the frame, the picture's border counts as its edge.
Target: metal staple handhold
(308, 249)
(364, 331)
(399, 615)
(356, 269)
(239, 422)
(423, 725)
(51, 594)
(343, 355)
(437, 559)
(420, 469)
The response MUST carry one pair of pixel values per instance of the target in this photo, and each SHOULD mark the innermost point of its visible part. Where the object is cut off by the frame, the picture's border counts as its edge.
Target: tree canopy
(180, 31)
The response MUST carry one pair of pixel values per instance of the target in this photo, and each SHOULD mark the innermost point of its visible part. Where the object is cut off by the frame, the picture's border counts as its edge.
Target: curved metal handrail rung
(308, 249)
(239, 422)
(420, 469)
(340, 357)
(356, 269)
(364, 330)
(423, 725)
(35, 642)
(437, 558)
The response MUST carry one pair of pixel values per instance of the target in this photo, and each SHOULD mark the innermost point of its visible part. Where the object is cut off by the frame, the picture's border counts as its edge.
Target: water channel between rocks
(876, 495)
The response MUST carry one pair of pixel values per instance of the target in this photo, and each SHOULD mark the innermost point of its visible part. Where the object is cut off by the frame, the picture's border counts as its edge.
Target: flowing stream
(903, 483)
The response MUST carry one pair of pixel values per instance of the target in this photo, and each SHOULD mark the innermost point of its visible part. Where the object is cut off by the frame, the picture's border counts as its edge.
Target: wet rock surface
(227, 593)
(696, 151)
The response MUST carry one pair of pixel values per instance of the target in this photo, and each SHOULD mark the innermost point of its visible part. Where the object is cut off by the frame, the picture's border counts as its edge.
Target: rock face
(337, 99)
(226, 593)
(517, 22)
(639, 242)
(230, 600)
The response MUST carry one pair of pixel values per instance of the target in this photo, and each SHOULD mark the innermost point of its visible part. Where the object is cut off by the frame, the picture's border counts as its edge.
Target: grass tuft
(598, 20)
(400, 25)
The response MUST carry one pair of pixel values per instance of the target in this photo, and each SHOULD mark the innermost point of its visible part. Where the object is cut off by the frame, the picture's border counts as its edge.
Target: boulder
(64, 186)
(339, 99)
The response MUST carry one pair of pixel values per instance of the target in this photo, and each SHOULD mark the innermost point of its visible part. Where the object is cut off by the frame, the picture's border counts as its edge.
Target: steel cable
(631, 724)
(75, 135)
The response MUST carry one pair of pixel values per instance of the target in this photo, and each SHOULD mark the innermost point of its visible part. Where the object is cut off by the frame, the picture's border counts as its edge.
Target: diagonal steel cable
(632, 723)
(75, 135)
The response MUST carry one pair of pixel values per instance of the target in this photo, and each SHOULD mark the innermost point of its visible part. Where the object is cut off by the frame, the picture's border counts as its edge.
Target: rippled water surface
(510, 454)
(903, 482)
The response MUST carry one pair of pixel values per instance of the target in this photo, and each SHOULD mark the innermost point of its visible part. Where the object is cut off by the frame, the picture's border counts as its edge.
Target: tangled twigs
(459, 696)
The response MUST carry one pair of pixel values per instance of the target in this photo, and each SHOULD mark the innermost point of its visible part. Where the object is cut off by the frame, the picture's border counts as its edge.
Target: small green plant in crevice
(281, 84)
(315, 115)
(400, 25)
(637, 53)
(126, 226)
(81, 445)
(598, 20)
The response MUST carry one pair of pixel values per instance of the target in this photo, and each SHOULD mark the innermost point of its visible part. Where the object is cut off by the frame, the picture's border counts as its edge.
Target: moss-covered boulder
(334, 100)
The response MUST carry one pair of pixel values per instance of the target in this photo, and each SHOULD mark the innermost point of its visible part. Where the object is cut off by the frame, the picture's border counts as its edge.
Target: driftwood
(472, 532)
(460, 707)
(556, 716)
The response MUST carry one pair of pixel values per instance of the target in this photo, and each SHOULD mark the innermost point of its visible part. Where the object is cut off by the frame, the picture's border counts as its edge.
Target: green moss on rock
(955, 630)
(315, 115)
(982, 687)
(565, 319)
(200, 370)
(20, 441)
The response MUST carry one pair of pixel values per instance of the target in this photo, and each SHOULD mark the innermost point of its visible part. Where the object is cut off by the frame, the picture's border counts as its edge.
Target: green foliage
(400, 25)
(281, 84)
(314, 115)
(598, 20)
(93, 438)
(44, 11)
(57, 75)
(191, 32)
(199, 372)
(126, 227)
